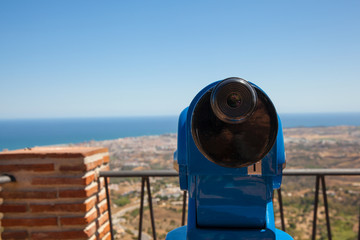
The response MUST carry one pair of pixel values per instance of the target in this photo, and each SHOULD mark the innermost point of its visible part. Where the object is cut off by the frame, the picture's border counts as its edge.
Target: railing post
(141, 207)
(109, 207)
(151, 207)
(183, 209)
(359, 226)
(326, 207)
(315, 206)
(281, 210)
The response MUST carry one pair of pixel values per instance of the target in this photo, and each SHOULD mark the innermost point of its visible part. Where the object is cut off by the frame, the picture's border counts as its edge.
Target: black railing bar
(321, 171)
(286, 172)
(317, 184)
(6, 179)
(109, 207)
(359, 226)
(151, 208)
(147, 173)
(183, 208)
(281, 209)
(141, 207)
(326, 207)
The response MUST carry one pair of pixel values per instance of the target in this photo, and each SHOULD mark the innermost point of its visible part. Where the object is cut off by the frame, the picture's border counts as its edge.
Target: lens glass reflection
(234, 100)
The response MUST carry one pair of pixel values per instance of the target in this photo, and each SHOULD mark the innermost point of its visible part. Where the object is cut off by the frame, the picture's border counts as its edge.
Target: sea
(23, 133)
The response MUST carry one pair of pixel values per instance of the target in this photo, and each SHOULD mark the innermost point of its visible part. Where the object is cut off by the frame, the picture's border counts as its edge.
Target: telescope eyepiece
(233, 100)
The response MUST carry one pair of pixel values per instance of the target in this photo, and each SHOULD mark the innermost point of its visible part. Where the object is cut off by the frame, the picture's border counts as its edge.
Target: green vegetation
(162, 198)
(344, 229)
(121, 201)
(134, 213)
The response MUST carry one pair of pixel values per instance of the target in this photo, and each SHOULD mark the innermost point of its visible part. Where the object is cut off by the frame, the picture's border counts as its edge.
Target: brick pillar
(57, 194)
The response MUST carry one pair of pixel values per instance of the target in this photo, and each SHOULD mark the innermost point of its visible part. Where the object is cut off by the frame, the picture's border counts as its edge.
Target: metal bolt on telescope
(230, 158)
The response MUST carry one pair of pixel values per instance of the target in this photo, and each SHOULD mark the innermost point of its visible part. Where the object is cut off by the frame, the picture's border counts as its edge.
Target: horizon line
(157, 116)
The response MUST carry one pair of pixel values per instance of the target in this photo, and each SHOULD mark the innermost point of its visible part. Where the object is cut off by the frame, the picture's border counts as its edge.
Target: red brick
(78, 220)
(102, 207)
(82, 167)
(63, 180)
(89, 179)
(106, 159)
(64, 207)
(105, 168)
(56, 181)
(56, 207)
(94, 164)
(90, 230)
(89, 204)
(90, 191)
(29, 222)
(78, 193)
(101, 196)
(51, 152)
(14, 235)
(73, 168)
(72, 193)
(103, 218)
(104, 231)
(50, 194)
(75, 234)
(102, 182)
(107, 237)
(28, 167)
(13, 208)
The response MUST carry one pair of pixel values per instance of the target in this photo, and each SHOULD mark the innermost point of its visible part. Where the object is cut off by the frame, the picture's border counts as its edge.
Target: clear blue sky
(140, 58)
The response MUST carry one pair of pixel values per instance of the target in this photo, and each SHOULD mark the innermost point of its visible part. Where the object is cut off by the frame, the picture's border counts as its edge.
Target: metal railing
(4, 178)
(145, 175)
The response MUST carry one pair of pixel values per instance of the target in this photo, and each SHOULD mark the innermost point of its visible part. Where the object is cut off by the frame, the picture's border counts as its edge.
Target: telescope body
(230, 158)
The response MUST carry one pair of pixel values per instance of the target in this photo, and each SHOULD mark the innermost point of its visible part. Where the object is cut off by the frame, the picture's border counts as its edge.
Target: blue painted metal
(226, 203)
(181, 154)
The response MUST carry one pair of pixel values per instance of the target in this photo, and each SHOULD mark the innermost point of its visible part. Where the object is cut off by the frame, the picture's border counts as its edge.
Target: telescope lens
(234, 100)
(234, 124)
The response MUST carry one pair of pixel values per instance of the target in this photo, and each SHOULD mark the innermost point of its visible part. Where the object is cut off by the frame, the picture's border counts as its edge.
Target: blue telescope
(230, 158)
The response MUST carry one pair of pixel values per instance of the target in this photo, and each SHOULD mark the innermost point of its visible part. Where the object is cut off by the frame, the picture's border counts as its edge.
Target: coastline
(22, 133)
